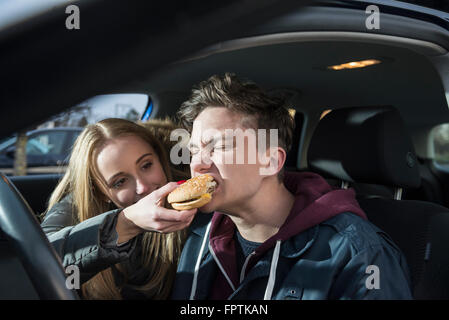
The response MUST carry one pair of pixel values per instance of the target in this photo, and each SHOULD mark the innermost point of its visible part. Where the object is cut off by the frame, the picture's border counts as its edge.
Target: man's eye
(223, 147)
(119, 183)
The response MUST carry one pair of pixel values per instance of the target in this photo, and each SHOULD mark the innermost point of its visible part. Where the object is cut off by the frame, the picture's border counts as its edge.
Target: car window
(51, 142)
(5, 143)
(440, 136)
(92, 110)
(71, 140)
(35, 148)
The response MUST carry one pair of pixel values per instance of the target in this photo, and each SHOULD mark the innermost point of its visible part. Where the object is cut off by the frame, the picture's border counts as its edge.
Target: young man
(273, 234)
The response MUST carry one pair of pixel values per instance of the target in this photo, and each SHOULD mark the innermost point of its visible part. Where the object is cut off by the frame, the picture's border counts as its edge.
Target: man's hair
(260, 110)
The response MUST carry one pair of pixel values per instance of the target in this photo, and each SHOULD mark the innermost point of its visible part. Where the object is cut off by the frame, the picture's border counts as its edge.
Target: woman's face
(130, 168)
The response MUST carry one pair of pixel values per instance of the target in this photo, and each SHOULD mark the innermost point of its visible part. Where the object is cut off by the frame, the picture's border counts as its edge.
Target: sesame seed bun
(193, 193)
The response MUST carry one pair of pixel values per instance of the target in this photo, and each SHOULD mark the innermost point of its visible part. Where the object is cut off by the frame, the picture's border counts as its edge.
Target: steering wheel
(24, 234)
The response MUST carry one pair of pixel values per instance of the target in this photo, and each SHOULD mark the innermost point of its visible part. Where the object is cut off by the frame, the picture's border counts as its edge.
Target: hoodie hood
(315, 201)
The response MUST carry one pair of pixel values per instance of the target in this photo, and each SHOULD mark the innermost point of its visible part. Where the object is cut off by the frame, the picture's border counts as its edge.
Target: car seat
(370, 145)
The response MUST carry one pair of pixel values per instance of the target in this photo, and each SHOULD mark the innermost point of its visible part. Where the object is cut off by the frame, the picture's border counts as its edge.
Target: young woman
(107, 214)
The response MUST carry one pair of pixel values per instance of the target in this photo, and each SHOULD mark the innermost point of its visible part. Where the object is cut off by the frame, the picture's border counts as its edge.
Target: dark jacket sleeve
(58, 217)
(90, 245)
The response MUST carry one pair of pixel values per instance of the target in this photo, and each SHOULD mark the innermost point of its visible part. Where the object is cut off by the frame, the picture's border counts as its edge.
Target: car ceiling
(45, 69)
(407, 79)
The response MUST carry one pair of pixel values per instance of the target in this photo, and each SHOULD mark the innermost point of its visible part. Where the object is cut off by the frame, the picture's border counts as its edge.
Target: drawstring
(198, 261)
(272, 277)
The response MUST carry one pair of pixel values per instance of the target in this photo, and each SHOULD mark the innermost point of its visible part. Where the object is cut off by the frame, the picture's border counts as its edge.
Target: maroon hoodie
(315, 201)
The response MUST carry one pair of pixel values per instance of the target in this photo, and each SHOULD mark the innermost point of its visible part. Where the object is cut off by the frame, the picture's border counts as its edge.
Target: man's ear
(277, 157)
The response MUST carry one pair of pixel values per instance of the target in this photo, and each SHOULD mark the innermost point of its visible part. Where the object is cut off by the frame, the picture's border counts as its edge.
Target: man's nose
(201, 162)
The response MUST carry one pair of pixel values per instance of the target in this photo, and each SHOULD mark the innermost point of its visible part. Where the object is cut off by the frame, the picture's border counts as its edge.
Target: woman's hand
(148, 214)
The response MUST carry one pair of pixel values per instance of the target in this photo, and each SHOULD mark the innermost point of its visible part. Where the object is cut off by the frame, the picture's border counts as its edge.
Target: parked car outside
(47, 150)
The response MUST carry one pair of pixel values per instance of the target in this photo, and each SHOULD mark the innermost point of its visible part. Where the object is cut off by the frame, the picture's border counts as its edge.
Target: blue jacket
(326, 249)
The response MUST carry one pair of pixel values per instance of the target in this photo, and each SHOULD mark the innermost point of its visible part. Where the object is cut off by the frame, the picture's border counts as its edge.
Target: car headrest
(366, 145)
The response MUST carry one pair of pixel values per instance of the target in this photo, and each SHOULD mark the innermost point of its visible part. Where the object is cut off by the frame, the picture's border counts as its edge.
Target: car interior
(370, 128)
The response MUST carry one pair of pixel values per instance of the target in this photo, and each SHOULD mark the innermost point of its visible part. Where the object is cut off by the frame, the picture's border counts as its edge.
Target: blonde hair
(160, 252)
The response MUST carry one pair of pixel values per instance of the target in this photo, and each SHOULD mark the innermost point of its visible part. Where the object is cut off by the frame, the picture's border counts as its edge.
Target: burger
(193, 193)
